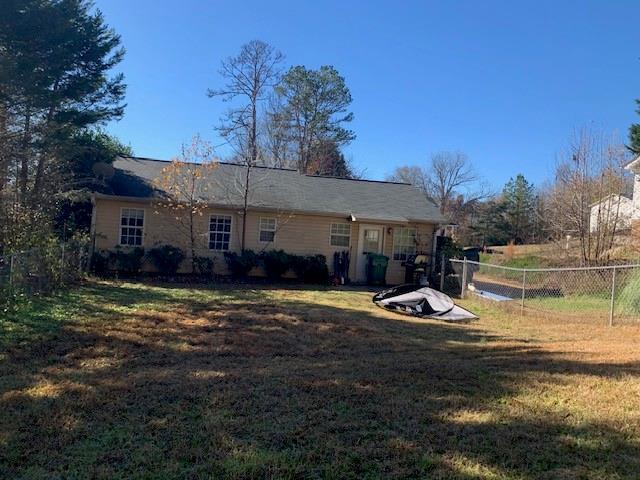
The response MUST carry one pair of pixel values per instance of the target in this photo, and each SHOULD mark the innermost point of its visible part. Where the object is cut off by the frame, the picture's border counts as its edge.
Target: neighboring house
(613, 210)
(634, 167)
(300, 214)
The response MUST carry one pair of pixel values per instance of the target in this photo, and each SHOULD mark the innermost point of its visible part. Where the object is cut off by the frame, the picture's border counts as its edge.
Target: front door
(370, 241)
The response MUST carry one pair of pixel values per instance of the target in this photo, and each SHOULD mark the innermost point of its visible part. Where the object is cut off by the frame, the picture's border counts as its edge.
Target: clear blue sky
(505, 82)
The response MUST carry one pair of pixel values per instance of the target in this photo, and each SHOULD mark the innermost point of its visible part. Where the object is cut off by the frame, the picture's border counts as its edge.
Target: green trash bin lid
(378, 260)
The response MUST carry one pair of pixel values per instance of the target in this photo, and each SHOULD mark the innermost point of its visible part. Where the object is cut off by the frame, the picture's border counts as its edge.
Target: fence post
(613, 297)
(463, 288)
(442, 272)
(524, 283)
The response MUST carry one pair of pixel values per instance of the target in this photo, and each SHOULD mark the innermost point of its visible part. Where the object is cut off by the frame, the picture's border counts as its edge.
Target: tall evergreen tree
(634, 134)
(55, 78)
(519, 200)
(56, 63)
(327, 159)
(315, 106)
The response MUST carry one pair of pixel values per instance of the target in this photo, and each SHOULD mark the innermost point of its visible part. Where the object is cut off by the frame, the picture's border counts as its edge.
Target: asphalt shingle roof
(287, 190)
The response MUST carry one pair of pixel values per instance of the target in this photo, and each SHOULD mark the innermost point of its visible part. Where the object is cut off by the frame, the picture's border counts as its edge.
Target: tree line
(587, 173)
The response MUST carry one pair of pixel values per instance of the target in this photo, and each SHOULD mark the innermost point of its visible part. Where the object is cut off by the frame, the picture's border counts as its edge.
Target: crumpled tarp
(420, 301)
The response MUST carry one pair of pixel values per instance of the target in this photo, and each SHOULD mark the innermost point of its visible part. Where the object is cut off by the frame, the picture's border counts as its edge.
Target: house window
(219, 232)
(371, 241)
(267, 229)
(131, 226)
(404, 243)
(340, 234)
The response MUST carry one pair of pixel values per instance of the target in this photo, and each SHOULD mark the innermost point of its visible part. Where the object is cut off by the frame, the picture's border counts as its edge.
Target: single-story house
(300, 214)
(634, 167)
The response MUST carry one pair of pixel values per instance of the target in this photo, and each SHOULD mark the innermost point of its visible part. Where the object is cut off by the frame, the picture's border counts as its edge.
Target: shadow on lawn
(245, 388)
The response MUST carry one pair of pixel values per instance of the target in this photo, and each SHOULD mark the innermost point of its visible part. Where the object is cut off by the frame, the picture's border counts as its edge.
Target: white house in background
(626, 209)
(612, 208)
(634, 167)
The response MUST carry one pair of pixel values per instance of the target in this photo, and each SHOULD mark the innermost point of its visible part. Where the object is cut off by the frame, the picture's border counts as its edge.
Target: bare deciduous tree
(185, 183)
(276, 142)
(249, 77)
(416, 176)
(449, 172)
(447, 180)
(590, 170)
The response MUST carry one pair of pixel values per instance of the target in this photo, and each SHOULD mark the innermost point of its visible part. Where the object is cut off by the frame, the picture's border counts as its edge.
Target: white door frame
(361, 259)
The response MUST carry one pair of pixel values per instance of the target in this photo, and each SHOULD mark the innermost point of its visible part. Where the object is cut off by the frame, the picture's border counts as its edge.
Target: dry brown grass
(159, 382)
(556, 254)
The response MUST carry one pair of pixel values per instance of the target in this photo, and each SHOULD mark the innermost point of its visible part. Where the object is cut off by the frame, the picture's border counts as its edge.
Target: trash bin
(471, 253)
(376, 268)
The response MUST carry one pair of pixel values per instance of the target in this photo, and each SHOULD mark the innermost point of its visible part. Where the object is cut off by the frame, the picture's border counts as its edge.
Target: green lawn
(132, 381)
(583, 305)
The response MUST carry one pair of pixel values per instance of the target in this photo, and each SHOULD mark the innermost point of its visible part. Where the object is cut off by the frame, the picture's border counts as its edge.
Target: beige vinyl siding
(296, 234)
(300, 235)
(161, 228)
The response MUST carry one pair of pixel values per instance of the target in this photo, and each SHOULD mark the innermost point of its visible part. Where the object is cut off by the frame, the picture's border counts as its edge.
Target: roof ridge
(134, 157)
(357, 179)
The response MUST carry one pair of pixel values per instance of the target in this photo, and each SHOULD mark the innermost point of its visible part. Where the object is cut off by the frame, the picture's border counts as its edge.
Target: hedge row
(167, 260)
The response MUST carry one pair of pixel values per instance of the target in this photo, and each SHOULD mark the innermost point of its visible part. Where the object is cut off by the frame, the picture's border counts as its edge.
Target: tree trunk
(39, 178)
(245, 207)
(192, 238)
(24, 155)
(253, 158)
(4, 152)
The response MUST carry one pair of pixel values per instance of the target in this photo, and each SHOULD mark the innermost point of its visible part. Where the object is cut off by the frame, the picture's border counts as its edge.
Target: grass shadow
(246, 383)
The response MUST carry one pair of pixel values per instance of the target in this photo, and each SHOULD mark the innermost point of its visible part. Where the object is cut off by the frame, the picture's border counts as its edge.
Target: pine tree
(634, 134)
(315, 106)
(327, 159)
(519, 199)
(56, 62)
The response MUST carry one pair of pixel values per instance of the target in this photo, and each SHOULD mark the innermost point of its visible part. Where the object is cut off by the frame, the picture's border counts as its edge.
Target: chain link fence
(609, 294)
(42, 270)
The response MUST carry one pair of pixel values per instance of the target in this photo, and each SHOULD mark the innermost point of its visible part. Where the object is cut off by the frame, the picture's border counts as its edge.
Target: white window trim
(340, 234)
(393, 244)
(275, 229)
(215, 214)
(144, 227)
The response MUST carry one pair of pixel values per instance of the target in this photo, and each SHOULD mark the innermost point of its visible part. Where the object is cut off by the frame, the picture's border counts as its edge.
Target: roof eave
(634, 165)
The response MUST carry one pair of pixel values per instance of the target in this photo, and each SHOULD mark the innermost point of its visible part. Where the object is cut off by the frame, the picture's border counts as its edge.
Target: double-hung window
(340, 234)
(404, 243)
(219, 232)
(131, 226)
(267, 229)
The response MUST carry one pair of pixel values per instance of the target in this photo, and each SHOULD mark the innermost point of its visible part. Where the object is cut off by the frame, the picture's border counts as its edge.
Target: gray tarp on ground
(420, 301)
